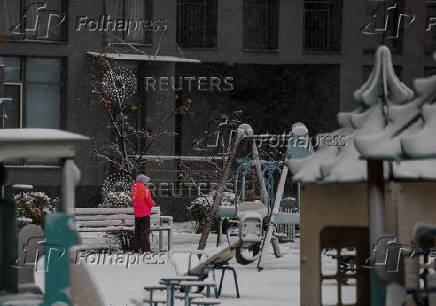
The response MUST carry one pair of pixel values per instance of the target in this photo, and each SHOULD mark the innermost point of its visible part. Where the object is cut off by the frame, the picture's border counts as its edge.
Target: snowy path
(277, 285)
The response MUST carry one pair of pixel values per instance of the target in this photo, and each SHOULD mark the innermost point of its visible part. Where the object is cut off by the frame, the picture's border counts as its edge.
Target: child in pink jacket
(142, 204)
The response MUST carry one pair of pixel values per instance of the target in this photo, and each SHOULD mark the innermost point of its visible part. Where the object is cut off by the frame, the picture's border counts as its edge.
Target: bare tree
(113, 86)
(218, 140)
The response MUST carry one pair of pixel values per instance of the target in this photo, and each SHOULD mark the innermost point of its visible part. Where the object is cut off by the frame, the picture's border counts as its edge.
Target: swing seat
(226, 212)
(282, 218)
(254, 206)
(243, 207)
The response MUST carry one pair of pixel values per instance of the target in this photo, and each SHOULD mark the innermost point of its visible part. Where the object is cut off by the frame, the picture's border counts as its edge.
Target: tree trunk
(218, 196)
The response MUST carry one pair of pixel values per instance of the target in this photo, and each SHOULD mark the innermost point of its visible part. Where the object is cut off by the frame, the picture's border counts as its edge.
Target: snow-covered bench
(121, 219)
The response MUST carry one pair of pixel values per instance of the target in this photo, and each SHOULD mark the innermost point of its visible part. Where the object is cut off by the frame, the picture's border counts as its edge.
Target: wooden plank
(100, 223)
(220, 257)
(103, 217)
(120, 228)
(110, 211)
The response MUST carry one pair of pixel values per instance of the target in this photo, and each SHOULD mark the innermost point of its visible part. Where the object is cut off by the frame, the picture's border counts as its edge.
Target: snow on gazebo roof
(388, 124)
(28, 143)
(413, 128)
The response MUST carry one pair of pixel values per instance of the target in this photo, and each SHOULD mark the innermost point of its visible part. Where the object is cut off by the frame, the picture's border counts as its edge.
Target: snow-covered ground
(277, 284)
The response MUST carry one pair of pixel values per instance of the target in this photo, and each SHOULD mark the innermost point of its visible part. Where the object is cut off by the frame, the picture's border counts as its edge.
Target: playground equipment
(59, 229)
(251, 214)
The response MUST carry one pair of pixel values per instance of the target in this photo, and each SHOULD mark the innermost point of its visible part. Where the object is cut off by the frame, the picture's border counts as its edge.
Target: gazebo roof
(391, 124)
(31, 143)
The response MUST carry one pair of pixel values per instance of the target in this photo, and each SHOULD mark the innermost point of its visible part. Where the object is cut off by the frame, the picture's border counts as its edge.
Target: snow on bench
(120, 219)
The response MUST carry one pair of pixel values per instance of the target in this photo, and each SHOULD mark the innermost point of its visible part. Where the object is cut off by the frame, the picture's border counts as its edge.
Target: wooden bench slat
(110, 211)
(107, 229)
(103, 217)
(120, 228)
(100, 223)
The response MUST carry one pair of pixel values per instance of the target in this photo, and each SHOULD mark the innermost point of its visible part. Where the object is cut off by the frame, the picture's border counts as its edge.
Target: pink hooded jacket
(142, 201)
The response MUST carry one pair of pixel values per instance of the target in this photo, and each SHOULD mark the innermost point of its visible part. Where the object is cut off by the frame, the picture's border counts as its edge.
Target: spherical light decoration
(117, 182)
(119, 82)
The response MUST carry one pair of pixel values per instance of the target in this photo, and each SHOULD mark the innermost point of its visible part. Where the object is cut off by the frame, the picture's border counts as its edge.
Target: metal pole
(2, 91)
(376, 206)
(70, 178)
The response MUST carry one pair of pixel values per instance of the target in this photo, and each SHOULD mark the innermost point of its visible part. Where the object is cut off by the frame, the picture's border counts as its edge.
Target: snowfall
(277, 284)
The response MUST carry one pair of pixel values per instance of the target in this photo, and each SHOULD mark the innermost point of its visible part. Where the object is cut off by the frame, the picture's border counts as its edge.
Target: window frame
(269, 18)
(21, 107)
(22, 84)
(207, 30)
(149, 15)
(329, 49)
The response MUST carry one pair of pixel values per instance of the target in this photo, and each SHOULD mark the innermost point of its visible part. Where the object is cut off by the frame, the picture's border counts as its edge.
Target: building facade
(289, 61)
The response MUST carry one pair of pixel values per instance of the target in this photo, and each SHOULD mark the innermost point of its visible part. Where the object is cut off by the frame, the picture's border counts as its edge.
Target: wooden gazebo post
(376, 208)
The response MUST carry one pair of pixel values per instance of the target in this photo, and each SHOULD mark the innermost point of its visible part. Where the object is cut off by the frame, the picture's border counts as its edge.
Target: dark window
(322, 25)
(261, 24)
(35, 86)
(130, 10)
(384, 25)
(430, 27)
(33, 20)
(197, 23)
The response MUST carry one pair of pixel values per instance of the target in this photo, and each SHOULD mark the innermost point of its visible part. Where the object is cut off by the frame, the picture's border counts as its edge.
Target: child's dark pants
(142, 233)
